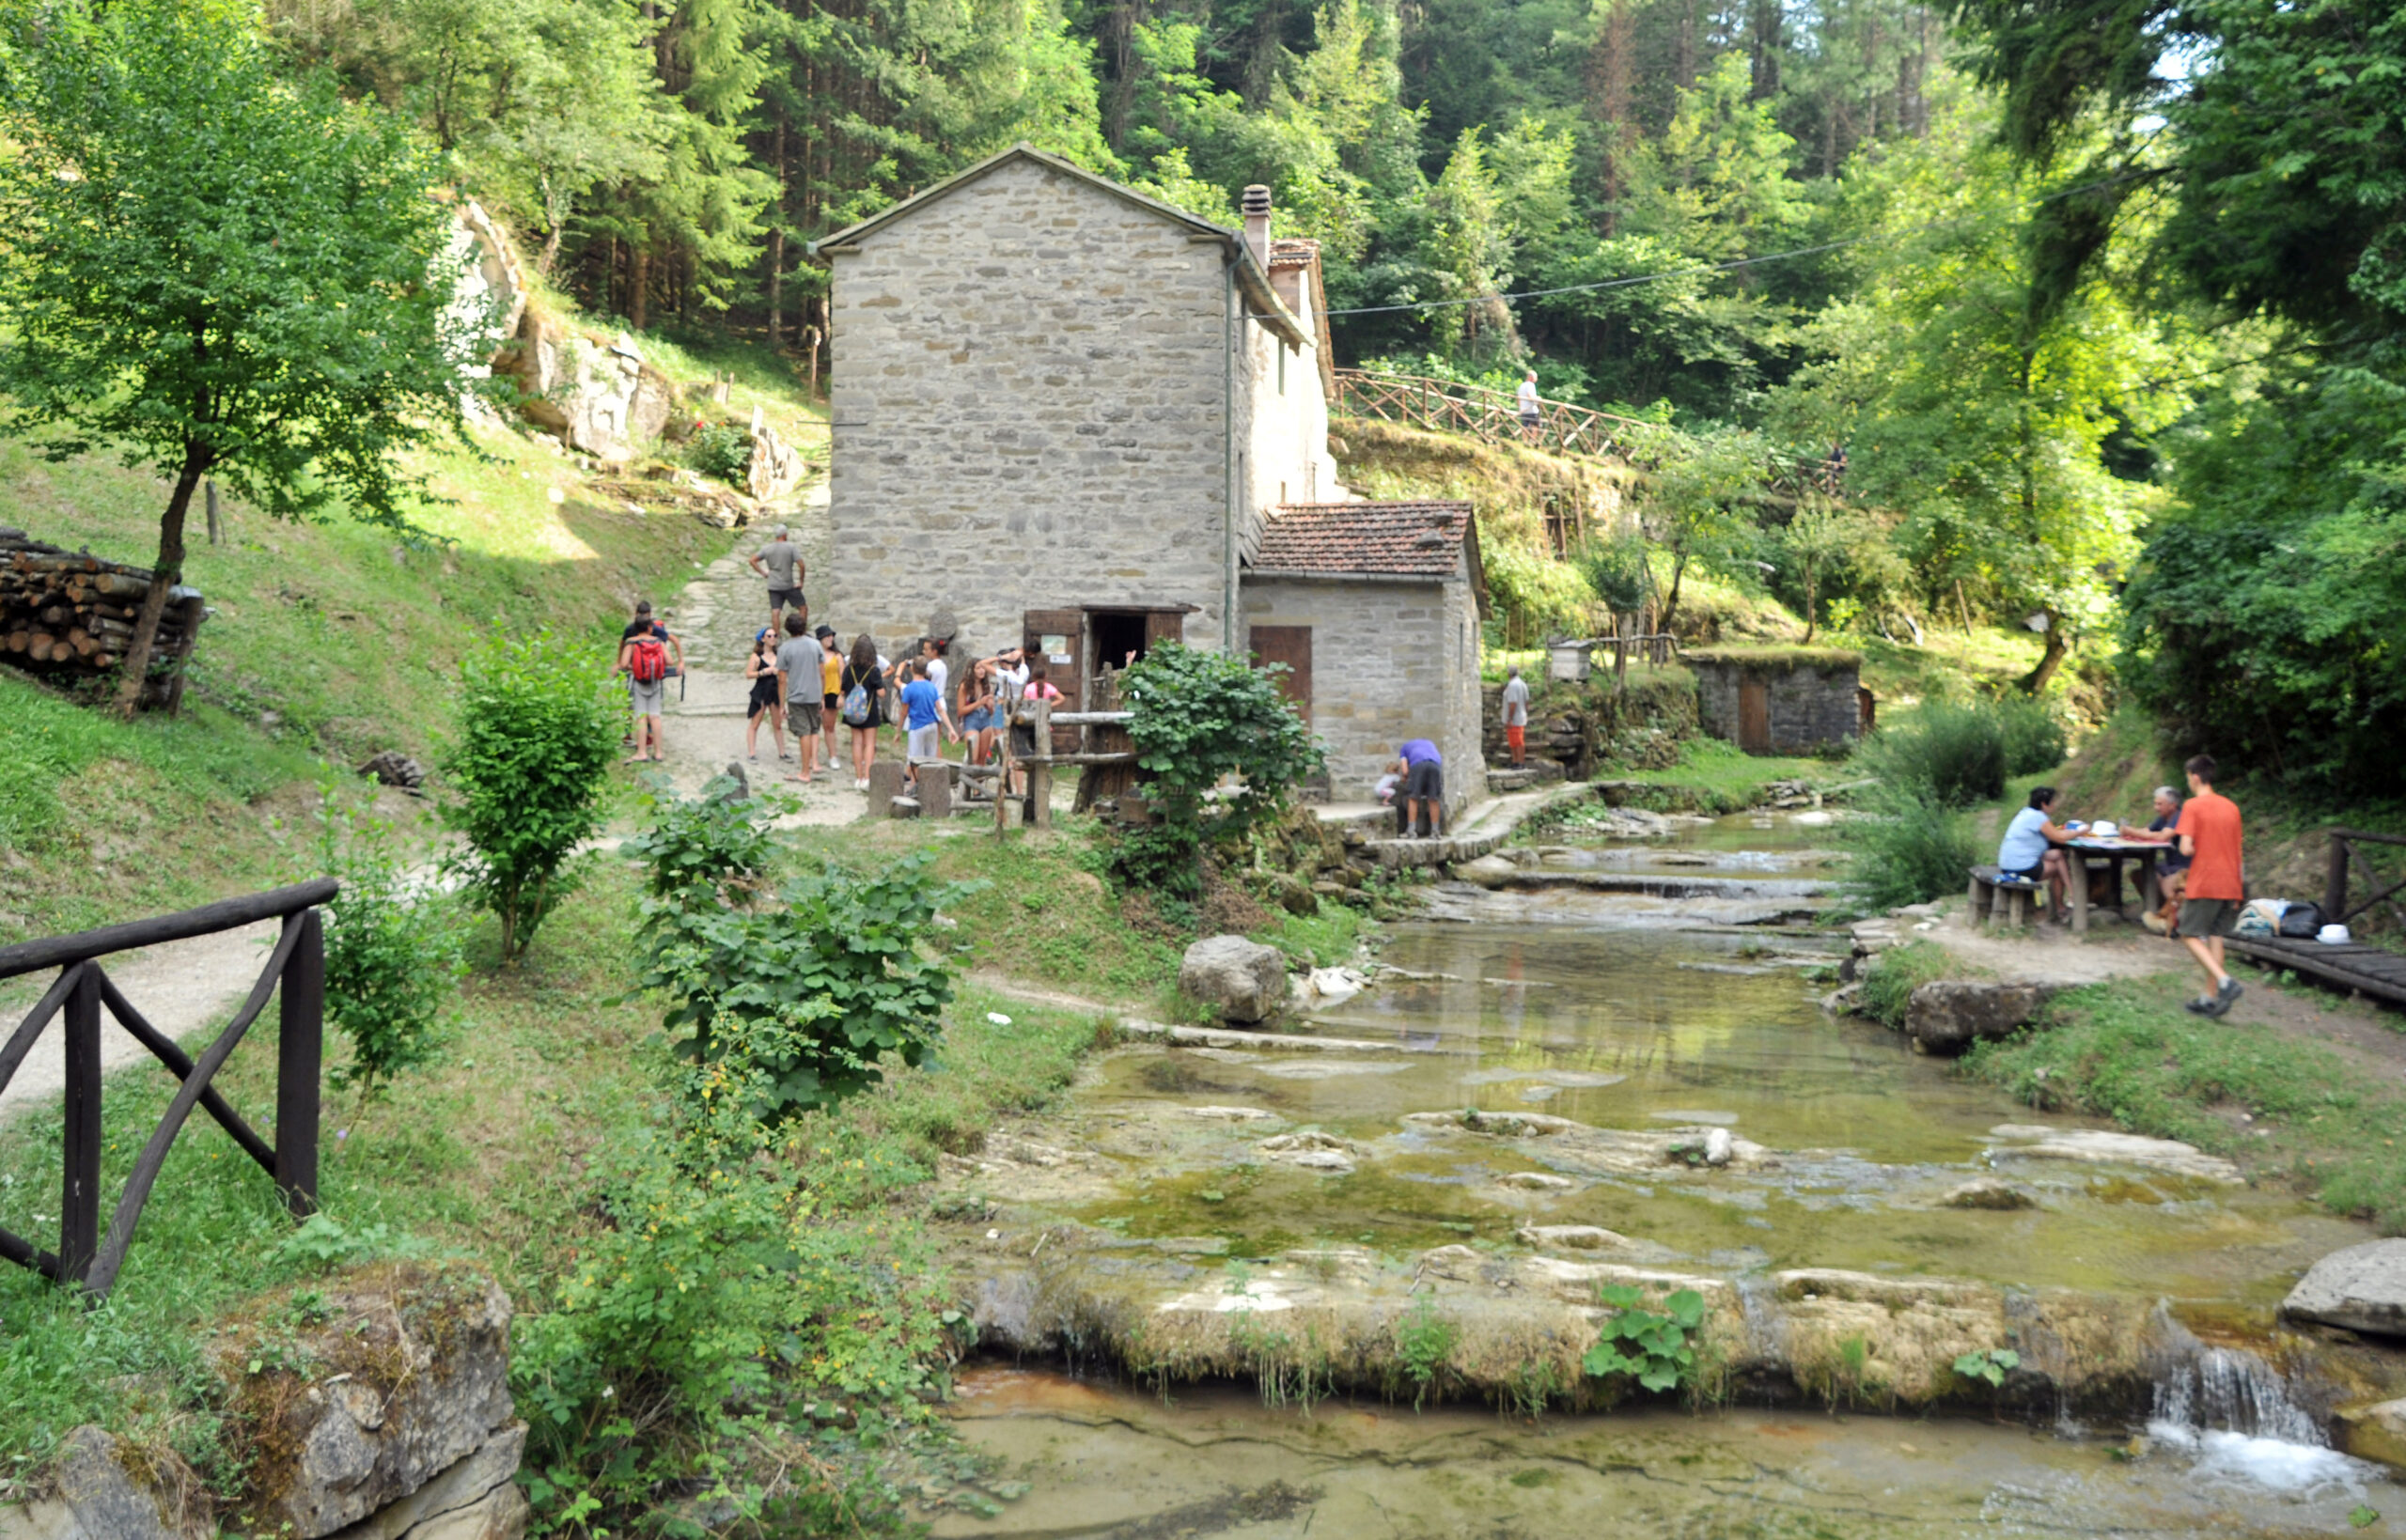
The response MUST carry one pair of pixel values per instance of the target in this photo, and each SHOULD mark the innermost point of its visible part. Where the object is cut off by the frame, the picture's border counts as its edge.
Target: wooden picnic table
(2113, 852)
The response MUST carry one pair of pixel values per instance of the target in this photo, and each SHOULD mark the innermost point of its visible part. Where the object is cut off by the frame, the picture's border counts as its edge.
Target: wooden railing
(2344, 842)
(86, 1255)
(1446, 405)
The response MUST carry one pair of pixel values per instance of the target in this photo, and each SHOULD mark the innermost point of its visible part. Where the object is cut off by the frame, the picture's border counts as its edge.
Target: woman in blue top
(2029, 847)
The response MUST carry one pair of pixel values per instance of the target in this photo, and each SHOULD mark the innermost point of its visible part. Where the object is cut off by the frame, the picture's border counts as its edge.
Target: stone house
(1780, 700)
(1068, 416)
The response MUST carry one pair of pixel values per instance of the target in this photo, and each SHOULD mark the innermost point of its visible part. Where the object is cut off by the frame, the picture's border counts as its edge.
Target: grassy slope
(329, 641)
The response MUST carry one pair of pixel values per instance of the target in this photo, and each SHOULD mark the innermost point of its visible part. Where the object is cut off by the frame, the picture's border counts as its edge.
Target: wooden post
(2334, 884)
(1003, 784)
(79, 1210)
(300, 1047)
(1040, 771)
(216, 532)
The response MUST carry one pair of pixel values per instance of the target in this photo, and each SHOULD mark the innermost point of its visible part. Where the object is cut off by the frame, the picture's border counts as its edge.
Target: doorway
(1753, 714)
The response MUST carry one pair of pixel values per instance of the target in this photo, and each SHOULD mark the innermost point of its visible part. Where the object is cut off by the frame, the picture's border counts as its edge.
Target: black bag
(2302, 921)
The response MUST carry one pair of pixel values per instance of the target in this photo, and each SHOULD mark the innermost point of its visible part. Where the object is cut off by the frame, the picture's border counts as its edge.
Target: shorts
(2203, 917)
(833, 702)
(1427, 782)
(977, 722)
(764, 695)
(922, 746)
(788, 599)
(1516, 739)
(803, 716)
(1528, 419)
(648, 698)
(2032, 874)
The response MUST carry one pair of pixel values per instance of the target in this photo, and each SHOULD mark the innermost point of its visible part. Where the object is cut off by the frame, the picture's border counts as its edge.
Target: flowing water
(1641, 1013)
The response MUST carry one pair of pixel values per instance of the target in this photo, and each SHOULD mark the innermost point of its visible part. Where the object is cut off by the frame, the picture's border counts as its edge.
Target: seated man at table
(2172, 867)
(2029, 849)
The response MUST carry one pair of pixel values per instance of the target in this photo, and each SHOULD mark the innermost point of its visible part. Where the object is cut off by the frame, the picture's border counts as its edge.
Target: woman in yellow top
(830, 684)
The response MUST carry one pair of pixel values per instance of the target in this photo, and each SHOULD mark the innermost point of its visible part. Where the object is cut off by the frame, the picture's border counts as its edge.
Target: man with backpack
(647, 656)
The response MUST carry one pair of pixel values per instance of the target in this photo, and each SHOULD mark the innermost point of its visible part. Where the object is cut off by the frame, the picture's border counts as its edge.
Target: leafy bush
(1894, 975)
(722, 450)
(2034, 738)
(1199, 718)
(1908, 848)
(1991, 1365)
(393, 949)
(1953, 754)
(537, 729)
(1651, 1346)
(795, 1001)
(1618, 573)
(714, 846)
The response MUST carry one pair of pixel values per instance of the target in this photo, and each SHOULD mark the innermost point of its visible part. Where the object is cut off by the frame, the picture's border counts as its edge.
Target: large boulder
(599, 396)
(101, 1490)
(1947, 1016)
(409, 1390)
(2376, 1432)
(1242, 980)
(2362, 1288)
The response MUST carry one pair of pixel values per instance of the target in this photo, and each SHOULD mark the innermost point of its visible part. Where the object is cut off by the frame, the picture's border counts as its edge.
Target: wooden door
(1753, 714)
(1058, 639)
(1292, 646)
(1163, 626)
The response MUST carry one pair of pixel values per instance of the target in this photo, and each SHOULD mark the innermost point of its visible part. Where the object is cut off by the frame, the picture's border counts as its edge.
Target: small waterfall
(2230, 1390)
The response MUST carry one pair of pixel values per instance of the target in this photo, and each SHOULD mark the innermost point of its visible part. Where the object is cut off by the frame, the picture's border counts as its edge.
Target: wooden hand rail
(2335, 909)
(295, 972)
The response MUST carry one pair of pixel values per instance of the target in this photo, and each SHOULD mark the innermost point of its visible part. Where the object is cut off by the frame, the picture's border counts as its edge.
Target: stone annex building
(1077, 417)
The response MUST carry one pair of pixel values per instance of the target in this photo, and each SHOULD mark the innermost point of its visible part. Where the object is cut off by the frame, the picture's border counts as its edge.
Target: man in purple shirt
(1421, 810)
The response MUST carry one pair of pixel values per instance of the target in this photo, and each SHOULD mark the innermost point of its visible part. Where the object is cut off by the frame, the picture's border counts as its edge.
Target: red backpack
(649, 662)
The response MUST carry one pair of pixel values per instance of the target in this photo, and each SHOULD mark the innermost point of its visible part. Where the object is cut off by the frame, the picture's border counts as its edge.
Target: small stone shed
(1374, 609)
(1779, 699)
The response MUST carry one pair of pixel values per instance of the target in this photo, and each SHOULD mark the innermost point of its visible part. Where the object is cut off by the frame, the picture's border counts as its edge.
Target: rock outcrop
(1240, 979)
(2362, 1288)
(601, 398)
(1948, 1015)
(387, 1417)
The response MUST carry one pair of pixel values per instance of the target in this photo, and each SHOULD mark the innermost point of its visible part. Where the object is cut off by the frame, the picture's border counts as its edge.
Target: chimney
(1257, 224)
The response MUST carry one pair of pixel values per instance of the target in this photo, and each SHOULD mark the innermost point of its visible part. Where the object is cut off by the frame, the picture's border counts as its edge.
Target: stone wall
(1029, 377)
(1391, 660)
(1813, 697)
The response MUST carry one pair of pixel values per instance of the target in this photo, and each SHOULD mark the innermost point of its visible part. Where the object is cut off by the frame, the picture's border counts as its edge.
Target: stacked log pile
(65, 613)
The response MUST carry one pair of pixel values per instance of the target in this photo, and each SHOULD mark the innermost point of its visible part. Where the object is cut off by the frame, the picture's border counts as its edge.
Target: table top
(2113, 846)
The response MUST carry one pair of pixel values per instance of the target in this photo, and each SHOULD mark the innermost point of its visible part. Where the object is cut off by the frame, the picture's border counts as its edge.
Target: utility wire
(1709, 268)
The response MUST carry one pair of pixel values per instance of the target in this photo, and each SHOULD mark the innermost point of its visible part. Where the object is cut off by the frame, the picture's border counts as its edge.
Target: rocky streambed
(1430, 1186)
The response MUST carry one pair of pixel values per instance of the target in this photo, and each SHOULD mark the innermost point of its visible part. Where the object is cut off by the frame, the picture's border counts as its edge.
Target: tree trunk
(168, 571)
(638, 285)
(778, 244)
(2035, 680)
(1671, 605)
(209, 494)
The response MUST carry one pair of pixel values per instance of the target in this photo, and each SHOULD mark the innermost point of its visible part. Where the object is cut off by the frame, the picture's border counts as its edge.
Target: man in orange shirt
(2209, 835)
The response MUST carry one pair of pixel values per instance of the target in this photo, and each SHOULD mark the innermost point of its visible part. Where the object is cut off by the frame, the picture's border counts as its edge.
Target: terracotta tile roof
(1417, 540)
(1293, 252)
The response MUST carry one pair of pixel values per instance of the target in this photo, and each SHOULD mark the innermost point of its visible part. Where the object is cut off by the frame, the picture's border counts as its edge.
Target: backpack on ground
(649, 662)
(856, 705)
(2301, 921)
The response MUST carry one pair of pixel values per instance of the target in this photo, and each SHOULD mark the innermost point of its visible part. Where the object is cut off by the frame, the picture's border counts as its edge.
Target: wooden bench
(1996, 895)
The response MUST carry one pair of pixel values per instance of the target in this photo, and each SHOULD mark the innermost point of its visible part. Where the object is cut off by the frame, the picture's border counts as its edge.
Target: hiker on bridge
(1532, 414)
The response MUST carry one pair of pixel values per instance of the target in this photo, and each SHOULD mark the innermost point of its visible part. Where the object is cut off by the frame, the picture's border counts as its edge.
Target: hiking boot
(2225, 998)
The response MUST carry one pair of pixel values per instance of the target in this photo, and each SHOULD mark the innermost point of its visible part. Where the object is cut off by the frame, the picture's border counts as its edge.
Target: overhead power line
(1706, 269)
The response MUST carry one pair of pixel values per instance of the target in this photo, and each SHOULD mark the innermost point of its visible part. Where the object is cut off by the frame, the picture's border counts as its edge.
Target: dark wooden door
(1292, 646)
(1056, 639)
(1164, 626)
(1753, 714)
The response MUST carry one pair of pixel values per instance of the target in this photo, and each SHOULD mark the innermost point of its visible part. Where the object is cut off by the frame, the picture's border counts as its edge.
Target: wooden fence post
(2334, 884)
(1040, 771)
(79, 1200)
(299, 1046)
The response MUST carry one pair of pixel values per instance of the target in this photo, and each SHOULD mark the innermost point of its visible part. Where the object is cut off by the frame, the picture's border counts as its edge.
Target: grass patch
(1713, 776)
(2127, 1052)
(1899, 972)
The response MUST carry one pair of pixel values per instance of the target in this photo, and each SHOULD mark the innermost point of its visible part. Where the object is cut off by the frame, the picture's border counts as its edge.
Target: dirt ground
(2366, 1034)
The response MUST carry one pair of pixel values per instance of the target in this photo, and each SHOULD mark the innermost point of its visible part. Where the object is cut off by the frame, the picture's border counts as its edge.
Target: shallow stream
(1643, 1020)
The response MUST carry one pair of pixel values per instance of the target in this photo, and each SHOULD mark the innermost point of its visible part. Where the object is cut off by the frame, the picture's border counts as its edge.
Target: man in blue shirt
(1420, 812)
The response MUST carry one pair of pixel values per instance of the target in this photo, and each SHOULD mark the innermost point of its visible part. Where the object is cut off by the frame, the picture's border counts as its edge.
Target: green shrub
(1652, 1347)
(394, 949)
(1906, 848)
(1199, 718)
(714, 846)
(722, 450)
(1617, 572)
(2034, 739)
(538, 726)
(1955, 753)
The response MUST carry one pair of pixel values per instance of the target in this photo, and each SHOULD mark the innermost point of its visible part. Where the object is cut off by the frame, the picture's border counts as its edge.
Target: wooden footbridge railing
(86, 1255)
(1446, 405)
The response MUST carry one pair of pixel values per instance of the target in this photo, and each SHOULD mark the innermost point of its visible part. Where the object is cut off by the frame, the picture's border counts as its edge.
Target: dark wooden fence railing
(86, 1255)
(2344, 848)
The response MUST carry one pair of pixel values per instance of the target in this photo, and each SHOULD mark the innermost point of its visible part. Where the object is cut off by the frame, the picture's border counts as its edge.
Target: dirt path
(180, 987)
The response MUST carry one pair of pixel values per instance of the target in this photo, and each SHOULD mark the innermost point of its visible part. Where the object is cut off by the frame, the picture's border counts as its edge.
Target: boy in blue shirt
(924, 714)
